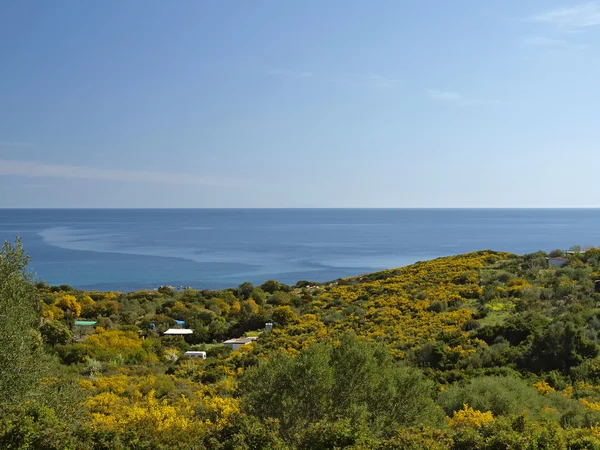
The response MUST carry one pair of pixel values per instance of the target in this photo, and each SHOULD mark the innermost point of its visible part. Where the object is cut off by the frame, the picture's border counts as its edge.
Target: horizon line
(298, 208)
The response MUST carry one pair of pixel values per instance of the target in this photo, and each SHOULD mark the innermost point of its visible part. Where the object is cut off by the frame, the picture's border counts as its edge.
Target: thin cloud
(540, 41)
(456, 98)
(579, 16)
(552, 46)
(34, 169)
(446, 96)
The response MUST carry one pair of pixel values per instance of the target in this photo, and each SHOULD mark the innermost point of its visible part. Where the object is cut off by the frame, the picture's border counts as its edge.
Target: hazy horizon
(166, 208)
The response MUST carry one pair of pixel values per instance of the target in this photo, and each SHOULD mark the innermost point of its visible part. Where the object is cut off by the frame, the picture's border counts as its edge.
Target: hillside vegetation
(485, 350)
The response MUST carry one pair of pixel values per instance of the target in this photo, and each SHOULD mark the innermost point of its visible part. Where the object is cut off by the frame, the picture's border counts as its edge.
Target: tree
(293, 391)
(284, 315)
(69, 304)
(245, 289)
(560, 346)
(54, 332)
(249, 308)
(270, 286)
(350, 379)
(21, 350)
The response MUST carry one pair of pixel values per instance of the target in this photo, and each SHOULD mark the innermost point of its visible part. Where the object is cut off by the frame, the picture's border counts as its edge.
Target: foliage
(469, 417)
(349, 380)
(505, 347)
(21, 353)
(54, 332)
(501, 395)
(69, 304)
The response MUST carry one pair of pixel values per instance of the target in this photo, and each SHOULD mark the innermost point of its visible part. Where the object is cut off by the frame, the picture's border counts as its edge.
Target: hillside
(482, 350)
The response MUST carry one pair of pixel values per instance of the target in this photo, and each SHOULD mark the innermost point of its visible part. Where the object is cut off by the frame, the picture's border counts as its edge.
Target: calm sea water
(214, 248)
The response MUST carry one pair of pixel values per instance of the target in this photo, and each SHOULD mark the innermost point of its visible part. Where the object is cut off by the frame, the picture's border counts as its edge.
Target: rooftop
(178, 331)
(85, 323)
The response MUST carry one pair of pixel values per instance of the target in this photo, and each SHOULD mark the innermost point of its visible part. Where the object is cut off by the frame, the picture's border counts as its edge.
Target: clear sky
(312, 103)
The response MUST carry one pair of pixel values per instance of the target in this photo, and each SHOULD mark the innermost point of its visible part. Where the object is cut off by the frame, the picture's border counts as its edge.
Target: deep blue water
(214, 248)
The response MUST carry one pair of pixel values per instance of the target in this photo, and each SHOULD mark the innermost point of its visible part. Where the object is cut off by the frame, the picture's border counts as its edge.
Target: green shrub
(37, 427)
(502, 395)
(54, 332)
(354, 380)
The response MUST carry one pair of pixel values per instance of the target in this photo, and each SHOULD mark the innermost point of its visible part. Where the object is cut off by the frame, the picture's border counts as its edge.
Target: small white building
(238, 342)
(195, 354)
(178, 332)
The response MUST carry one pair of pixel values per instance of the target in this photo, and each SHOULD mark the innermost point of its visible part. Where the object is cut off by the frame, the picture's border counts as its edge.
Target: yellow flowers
(567, 392)
(516, 285)
(543, 388)
(86, 385)
(403, 307)
(121, 403)
(217, 410)
(112, 413)
(117, 384)
(52, 312)
(460, 350)
(69, 302)
(469, 418)
(235, 308)
(592, 405)
(115, 339)
(103, 403)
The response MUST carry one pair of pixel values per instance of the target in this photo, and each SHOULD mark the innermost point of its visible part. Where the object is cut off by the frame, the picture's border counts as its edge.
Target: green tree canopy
(21, 352)
(352, 379)
(54, 332)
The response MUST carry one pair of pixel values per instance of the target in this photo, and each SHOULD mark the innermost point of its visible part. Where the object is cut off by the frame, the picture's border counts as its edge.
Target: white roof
(177, 331)
(192, 352)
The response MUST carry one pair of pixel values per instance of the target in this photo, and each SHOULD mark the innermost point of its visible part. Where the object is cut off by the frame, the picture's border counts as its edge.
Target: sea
(131, 249)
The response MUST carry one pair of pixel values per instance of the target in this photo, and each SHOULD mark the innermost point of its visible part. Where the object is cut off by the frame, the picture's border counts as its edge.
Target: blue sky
(300, 104)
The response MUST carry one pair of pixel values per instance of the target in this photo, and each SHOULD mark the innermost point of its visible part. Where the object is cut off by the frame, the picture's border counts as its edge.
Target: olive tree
(21, 348)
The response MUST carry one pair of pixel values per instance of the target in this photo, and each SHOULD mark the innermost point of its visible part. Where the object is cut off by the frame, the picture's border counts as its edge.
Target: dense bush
(351, 380)
(501, 395)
